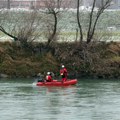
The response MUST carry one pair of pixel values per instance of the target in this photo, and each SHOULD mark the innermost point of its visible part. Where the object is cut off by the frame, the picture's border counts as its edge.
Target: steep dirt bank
(95, 60)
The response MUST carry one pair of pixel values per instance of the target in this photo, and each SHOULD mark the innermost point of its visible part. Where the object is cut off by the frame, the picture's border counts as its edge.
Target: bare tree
(21, 26)
(92, 24)
(52, 13)
(55, 8)
(93, 18)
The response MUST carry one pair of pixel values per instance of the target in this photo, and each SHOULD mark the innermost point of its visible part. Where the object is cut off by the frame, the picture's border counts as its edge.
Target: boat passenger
(40, 77)
(49, 77)
(63, 73)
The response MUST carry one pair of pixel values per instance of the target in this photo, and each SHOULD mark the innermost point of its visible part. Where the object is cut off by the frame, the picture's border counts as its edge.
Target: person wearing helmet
(48, 77)
(40, 77)
(63, 73)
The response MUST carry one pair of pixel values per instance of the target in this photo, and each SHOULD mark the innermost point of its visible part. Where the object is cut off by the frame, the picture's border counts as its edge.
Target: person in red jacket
(49, 77)
(63, 73)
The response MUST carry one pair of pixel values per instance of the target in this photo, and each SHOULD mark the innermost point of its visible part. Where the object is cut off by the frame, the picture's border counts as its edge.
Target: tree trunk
(52, 36)
(8, 4)
(89, 33)
(78, 21)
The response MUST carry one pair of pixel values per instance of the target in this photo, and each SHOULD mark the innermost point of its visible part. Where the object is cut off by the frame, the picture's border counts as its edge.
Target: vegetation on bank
(86, 56)
(97, 59)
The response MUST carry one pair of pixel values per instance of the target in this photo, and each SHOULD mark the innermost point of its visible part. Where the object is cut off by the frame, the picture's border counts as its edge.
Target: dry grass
(98, 60)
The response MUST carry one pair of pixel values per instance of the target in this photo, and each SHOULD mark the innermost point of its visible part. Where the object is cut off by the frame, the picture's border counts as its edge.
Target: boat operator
(63, 73)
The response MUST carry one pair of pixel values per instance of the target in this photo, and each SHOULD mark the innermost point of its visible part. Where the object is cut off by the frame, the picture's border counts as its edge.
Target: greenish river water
(90, 99)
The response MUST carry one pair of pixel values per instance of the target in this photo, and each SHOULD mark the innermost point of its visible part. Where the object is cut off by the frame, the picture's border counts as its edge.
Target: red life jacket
(49, 78)
(63, 72)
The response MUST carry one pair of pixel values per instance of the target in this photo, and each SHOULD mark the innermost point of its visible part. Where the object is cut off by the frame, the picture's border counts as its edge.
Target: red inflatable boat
(57, 83)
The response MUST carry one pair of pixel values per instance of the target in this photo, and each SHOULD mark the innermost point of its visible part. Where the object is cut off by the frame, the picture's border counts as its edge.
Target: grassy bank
(18, 62)
(100, 60)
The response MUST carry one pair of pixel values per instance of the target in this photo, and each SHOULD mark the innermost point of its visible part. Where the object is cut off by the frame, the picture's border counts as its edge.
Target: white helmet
(48, 73)
(63, 66)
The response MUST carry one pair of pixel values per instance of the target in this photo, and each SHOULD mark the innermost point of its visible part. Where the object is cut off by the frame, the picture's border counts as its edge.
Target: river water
(90, 99)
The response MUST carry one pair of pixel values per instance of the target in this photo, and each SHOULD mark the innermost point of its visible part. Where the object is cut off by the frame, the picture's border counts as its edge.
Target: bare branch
(93, 23)
(22, 26)
(53, 9)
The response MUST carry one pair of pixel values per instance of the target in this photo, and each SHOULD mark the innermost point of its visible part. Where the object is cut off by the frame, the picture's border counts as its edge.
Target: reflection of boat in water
(57, 83)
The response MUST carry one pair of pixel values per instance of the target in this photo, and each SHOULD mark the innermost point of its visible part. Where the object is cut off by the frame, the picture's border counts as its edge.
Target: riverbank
(101, 60)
